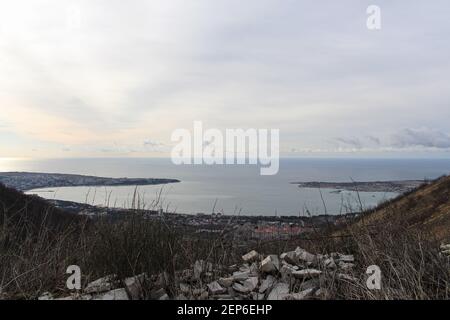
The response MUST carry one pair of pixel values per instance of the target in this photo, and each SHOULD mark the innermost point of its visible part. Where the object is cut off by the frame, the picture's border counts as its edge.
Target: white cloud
(145, 68)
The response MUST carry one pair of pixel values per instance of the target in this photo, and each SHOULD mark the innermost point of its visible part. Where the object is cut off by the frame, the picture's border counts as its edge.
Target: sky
(108, 78)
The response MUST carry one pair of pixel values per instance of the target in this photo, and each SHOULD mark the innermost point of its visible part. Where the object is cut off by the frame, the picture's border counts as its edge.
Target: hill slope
(426, 209)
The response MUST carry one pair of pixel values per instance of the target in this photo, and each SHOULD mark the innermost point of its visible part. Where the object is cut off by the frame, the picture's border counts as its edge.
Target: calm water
(233, 188)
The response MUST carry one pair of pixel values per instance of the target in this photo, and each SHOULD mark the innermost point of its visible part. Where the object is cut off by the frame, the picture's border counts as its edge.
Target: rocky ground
(294, 275)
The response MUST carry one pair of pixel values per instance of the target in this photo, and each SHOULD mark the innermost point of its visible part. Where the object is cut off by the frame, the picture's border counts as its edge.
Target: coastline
(27, 181)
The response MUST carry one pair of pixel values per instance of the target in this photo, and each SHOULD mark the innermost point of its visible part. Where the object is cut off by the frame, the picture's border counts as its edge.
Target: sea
(232, 189)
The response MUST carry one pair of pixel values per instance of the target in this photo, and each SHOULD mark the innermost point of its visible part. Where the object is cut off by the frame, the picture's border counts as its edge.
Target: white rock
(203, 296)
(163, 279)
(322, 293)
(215, 288)
(164, 297)
(46, 296)
(251, 256)
(270, 264)
(266, 284)
(290, 257)
(345, 266)
(346, 258)
(293, 267)
(134, 286)
(304, 256)
(226, 282)
(240, 276)
(279, 291)
(66, 298)
(306, 273)
(286, 273)
(445, 247)
(247, 286)
(257, 296)
(101, 285)
(198, 269)
(117, 294)
(244, 268)
(346, 277)
(254, 268)
(313, 283)
(329, 263)
(156, 294)
(300, 295)
(185, 288)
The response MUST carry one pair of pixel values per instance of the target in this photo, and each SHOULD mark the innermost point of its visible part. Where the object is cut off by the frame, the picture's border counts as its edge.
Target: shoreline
(395, 186)
(28, 181)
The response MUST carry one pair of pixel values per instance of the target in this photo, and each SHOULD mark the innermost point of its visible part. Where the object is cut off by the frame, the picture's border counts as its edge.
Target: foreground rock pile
(445, 250)
(294, 275)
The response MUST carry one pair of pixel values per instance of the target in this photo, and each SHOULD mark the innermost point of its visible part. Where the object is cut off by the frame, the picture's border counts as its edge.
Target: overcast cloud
(122, 75)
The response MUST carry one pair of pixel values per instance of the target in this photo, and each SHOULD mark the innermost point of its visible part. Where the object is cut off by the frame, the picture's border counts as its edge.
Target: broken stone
(247, 286)
(201, 267)
(181, 297)
(346, 258)
(254, 268)
(240, 276)
(156, 294)
(185, 288)
(163, 280)
(279, 291)
(116, 294)
(310, 284)
(66, 298)
(270, 264)
(134, 286)
(299, 295)
(204, 295)
(223, 297)
(290, 257)
(257, 296)
(306, 273)
(286, 273)
(164, 297)
(304, 256)
(215, 288)
(266, 284)
(226, 282)
(233, 268)
(101, 285)
(329, 263)
(46, 296)
(345, 266)
(294, 267)
(346, 277)
(198, 291)
(244, 268)
(322, 293)
(251, 256)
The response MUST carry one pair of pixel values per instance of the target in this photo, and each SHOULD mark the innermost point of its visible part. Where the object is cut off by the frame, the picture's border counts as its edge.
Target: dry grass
(38, 242)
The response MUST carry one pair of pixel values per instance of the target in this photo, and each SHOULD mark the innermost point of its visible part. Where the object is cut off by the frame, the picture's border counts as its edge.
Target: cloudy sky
(115, 78)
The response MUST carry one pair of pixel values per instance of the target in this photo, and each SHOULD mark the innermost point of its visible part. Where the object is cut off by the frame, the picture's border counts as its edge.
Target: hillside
(19, 208)
(38, 242)
(425, 209)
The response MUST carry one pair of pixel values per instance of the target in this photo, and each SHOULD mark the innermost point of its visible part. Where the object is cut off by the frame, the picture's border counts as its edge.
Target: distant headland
(25, 181)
